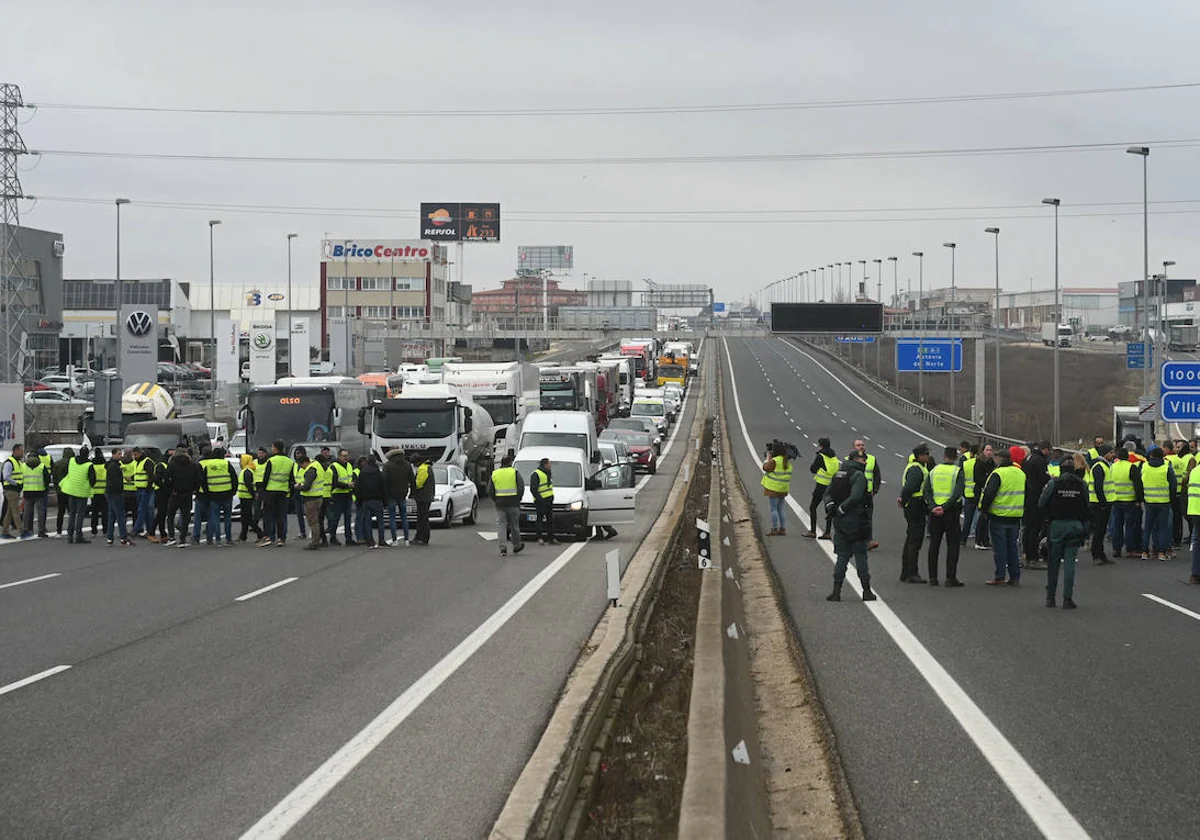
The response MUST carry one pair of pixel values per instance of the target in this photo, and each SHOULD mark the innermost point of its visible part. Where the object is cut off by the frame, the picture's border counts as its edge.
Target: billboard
(534, 258)
(262, 352)
(299, 348)
(460, 222)
(838, 318)
(139, 343)
(368, 250)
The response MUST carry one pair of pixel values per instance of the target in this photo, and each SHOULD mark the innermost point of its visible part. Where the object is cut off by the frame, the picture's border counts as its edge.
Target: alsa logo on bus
(379, 251)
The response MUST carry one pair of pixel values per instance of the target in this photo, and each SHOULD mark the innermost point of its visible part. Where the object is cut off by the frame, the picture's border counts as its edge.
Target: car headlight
(577, 505)
(437, 497)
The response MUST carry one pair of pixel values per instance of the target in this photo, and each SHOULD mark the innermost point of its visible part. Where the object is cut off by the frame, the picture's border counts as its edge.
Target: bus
(306, 410)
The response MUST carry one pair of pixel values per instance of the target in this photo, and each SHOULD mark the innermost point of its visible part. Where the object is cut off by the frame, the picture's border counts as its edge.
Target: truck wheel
(470, 520)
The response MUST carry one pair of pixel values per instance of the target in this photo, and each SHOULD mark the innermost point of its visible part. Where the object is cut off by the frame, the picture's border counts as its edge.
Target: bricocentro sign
(398, 250)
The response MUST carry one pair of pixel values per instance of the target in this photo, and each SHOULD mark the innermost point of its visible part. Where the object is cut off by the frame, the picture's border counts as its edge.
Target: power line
(623, 161)
(804, 105)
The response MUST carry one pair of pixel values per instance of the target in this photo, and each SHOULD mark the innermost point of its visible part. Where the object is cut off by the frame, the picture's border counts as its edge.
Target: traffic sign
(1135, 355)
(1180, 376)
(1181, 407)
(718, 307)
(940, 355)
(856, 339)
(1147, 409)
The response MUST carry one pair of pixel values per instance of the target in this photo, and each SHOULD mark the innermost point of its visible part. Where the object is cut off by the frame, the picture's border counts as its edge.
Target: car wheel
(653, 467)
(470, 519)
(449, 518)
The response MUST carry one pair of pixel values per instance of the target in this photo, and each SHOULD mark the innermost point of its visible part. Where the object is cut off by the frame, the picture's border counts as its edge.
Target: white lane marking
(293, 807)
(1041, 804)
(857, 397)
(1172, 605)
(30, 580)
(274, 585)
(49, 672)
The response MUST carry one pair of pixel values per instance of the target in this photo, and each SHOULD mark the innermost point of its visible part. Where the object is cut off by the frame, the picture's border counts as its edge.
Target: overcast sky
(523, 55)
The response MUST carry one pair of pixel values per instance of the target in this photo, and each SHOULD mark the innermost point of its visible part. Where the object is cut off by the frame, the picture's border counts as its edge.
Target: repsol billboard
(837, 318)
(460, 222)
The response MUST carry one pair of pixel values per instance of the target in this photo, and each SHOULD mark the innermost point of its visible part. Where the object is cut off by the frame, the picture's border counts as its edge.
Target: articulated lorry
(1183, 339)
(438, 422)
(1057, 333)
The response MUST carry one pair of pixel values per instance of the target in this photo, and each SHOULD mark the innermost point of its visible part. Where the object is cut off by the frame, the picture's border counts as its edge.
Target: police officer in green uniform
(848, 505)
(1064, 499)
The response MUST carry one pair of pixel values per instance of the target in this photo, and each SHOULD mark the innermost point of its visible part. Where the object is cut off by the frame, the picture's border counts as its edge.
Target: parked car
(62, 382)
(52, 397)
(36, 385)
(641, 447)
(455, 498)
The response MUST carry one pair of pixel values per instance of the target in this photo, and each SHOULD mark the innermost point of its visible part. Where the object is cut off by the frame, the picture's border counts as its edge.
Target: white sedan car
(455, 499)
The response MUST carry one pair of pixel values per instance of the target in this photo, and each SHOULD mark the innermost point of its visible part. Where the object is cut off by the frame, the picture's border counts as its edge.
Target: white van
(584, 496)
(653, 407)
(576, 429)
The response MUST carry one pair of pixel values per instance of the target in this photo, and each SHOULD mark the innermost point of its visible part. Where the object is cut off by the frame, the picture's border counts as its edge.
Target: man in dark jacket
(849, 506)
(913, 502)
(57, 473)
(1064, 500)
(943, 493)
(1100, 499)
(78, 484)
(506, 488)
(370, 491)
(114, 497)
(423, 490)
(1037, 475)
(541, 488)
(398, 481)
(183, 480)
(1156, 487)
(824, 465)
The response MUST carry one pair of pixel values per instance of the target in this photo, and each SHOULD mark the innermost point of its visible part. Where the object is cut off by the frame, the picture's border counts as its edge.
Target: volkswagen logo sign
(139, 323)
(263, 341)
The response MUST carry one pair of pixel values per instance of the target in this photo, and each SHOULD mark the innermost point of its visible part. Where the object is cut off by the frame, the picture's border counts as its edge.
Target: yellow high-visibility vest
(1010, 499)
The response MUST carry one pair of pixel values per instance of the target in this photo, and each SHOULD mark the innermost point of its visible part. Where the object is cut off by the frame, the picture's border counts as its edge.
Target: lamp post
(862, 288)
(995, 231)
(829, 288)
(120, 301)
(212, 312)
(1054, 202)
(291, 349)
(920, 255)
(1144, 153)
(1162, 306)
(950, 323)
(895, 261)
(879, 297)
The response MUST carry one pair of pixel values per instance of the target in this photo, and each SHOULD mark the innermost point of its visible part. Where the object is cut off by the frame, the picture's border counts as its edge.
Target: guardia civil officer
(912, 501)
(848, 504)
(1065, 503)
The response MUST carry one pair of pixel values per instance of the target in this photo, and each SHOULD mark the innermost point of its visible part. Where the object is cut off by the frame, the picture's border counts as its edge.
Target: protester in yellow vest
(12, 471)
(913, 502)
(1003, 501)
(776, 482)
(943, 492)
(1155, 486)
(823, 468)
(35, 484)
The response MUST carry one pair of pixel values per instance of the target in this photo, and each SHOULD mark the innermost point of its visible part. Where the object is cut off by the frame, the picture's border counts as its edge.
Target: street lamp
(995, 231)
(895, 261)
(1161, 308)
(120, 301)
(1144, 153)
(862, 289)
(291, 349)
(950, 323)
(879, 299)
(212, 313)
(1054, 202)
(920, 255)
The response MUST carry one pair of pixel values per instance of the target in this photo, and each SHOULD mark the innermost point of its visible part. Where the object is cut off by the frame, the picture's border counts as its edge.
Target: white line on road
(284, 816)
(1041, 804)
(274, 585)
(30, 580)
(49, 672)
(1173, 606)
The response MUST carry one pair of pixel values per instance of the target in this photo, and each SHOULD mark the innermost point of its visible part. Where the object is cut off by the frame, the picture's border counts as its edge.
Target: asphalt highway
(217, 692)
(975, 712)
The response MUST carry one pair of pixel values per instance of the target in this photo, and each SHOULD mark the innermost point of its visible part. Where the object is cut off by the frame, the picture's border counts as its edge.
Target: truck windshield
(501, 409)
(670, 371)
(292, 416)
(562, 474)
(556, 396)
(554, 439)
(415, 423)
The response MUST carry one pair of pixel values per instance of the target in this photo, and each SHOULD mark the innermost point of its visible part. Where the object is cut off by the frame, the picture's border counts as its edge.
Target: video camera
(789, 449)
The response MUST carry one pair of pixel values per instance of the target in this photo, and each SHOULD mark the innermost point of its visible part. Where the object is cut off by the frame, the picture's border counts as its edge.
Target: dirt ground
(1091, 383)
(642, 768)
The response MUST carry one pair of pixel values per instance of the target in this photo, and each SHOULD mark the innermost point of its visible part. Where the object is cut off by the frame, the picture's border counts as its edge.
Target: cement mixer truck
(139, 402)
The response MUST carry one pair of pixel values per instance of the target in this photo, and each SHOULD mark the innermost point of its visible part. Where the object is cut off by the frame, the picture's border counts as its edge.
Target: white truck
(438, 422)
(1057, 333)
(498, 388)
(140, 402)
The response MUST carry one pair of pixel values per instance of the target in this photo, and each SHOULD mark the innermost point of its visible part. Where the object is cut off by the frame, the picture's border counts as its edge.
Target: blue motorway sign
(1135, 355)
(940, 355)
(1180, 376)
(856, 339)
(1180, 406)
(718, 307)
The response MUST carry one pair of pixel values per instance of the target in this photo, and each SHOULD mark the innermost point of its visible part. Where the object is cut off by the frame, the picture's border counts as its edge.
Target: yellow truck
(672, 367)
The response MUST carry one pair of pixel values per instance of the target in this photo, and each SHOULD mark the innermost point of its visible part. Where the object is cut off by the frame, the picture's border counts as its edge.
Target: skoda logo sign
(139, 323)
(262, 341)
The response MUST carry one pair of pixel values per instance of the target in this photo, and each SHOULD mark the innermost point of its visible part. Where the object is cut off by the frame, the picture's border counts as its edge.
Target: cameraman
(850, 505)
(776, 482)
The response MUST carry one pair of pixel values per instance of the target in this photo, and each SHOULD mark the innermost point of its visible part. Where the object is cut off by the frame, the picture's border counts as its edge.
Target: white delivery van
(653, 407)
(584, 495)
(576, 429)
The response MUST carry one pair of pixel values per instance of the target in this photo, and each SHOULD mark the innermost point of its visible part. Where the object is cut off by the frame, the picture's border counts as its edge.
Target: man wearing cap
(1037, 475)
(1100, 488)
(944, 486)
(848, 504)
(1003, 501)
(823, 468)
(912, 501)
